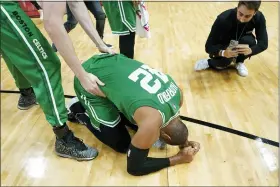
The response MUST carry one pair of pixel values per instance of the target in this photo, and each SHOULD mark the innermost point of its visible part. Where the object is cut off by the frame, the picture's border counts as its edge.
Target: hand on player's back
(91, 84)
(105, 49)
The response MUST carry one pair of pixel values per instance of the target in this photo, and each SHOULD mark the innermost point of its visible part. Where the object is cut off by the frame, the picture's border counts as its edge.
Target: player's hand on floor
(186, 154)
(195, 145)
(91, 84)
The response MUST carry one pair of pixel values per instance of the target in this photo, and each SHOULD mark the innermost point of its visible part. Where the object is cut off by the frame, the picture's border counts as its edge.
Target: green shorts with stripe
(121, 16)
(101, 111)
(32, 61)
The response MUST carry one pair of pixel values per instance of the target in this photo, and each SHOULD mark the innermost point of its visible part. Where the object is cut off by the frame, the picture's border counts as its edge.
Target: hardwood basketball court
(179, 31)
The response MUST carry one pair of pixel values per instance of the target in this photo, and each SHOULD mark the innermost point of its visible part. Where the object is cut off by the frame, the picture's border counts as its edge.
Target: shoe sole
(78, 159)
(26, 108)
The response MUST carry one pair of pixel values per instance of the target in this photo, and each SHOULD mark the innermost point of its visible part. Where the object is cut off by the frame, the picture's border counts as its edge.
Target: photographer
(231, 38)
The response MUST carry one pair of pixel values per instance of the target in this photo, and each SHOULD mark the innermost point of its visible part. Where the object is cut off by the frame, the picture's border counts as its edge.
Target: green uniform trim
(121, 16)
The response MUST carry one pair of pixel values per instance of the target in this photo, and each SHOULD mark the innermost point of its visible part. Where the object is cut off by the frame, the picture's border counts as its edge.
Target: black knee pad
(121, 145)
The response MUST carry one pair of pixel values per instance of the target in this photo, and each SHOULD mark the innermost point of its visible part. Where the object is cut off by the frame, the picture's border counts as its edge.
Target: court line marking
(232, 131)
(203, 123)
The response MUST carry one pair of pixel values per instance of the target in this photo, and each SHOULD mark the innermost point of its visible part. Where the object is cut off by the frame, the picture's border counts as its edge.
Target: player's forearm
(81, 14)
(58, 34)
(175, 160)
(149, 166)
(139, 164)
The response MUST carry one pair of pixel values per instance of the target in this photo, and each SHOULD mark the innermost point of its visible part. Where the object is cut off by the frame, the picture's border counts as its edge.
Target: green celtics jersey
(130, 84)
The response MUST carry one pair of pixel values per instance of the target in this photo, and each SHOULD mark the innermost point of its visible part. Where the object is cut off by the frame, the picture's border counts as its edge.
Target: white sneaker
(159, 144)
(201, 64)
(241, 69)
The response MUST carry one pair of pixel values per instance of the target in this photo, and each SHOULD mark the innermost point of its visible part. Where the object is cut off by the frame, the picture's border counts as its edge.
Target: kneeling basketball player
(134, 93)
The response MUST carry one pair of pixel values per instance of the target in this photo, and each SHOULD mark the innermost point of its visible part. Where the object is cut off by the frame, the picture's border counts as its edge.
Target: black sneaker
(27, 99)
(71, 117)
(76, 112)
(72, 147)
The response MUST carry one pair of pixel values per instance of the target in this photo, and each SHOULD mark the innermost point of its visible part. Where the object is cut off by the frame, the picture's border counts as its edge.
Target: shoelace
(23, 99)
(79, 142)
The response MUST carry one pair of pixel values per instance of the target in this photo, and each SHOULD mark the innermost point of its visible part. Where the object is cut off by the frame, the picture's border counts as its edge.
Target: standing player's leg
(122, 19)
(95, 8)
(27, 97)
(34, 58)
(127, 43)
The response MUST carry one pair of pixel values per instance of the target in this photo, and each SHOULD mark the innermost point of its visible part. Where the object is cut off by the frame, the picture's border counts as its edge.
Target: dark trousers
(117, 137)
(95, 8)
(126, 44)
(222, 62)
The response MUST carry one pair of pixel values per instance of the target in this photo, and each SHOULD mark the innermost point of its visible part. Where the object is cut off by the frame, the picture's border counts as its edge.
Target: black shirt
(225, 27)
